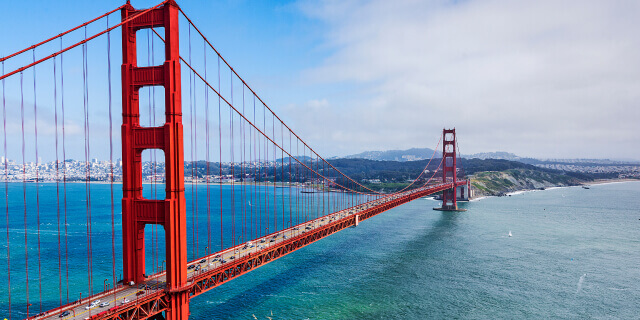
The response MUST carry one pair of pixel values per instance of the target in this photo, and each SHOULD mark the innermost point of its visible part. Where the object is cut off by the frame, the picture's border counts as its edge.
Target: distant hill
(413, 154)
(502, 155)
(390, 176)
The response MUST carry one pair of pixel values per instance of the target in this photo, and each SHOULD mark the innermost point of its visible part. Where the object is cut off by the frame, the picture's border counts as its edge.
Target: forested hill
(401, 171)
(389, 176)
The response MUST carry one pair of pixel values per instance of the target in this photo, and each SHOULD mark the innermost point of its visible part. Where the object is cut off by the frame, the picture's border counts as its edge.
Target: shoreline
(608, 181)
(591, 183)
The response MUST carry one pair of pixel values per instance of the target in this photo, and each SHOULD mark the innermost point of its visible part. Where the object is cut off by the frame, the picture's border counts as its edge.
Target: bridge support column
(449, 171)
(136, 210)
(463, 192)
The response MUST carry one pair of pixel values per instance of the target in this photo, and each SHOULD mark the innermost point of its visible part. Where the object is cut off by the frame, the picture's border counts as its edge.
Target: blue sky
(537, 78)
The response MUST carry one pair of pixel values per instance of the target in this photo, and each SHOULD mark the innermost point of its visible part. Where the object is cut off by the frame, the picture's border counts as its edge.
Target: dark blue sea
(573, 254)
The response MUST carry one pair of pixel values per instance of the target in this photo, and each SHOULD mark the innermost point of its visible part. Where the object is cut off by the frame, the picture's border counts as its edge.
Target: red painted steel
(55, 54)
(150, 305)
(60, 35)
(449, 199)
(173, 301)
(136, 210)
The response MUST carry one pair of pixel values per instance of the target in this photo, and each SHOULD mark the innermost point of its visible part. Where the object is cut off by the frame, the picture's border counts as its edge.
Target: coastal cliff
(498, 183)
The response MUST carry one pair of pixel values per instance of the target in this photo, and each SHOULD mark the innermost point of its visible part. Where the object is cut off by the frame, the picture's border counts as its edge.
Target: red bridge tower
(136, 210)
(449, 171)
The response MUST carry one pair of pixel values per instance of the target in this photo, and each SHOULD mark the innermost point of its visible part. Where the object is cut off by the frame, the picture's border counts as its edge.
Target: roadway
(125, 295)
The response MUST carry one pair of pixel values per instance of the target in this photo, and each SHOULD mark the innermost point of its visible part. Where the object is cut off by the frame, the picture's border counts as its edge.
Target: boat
(510, 235)
(585, 187)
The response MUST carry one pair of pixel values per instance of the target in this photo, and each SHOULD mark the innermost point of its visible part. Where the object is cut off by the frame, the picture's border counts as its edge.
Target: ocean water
(574, 254)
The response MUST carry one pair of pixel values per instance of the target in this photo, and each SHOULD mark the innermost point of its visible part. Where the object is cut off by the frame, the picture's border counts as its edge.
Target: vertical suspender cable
(206, 110)
(151, 124)
(87, 162)
(252, 138)
(195, 159)
(154, 184)
(324, 187)
(55, 117)
(193, 215)
(275, 174)
(298, 182)
(35, 129)
(111, 179)
(290, 183)
(24, 192)
(304, 179)
(6, 189)
(262, 188)
(256, 160)
(220, 154)
(282, 172)
(242, 173)
(266, 173)
(154, 171)
(64, 172)
(84, 102)
(233, 175)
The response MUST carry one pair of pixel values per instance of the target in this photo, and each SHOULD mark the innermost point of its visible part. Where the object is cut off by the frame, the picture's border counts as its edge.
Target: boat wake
(580, 283)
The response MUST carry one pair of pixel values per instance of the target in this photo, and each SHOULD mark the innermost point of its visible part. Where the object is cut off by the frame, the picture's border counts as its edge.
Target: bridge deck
(146, 299)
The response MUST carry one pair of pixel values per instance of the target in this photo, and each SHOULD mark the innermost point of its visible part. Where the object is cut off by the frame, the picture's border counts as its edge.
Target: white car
(104, 304)
(125, 300)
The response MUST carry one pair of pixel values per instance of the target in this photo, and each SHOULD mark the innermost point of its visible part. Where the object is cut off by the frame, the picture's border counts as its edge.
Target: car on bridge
(92, 304)
(64, 314)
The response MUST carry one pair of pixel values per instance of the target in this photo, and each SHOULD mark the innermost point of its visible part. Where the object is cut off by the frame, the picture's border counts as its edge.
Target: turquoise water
(415, 263)
(573, 255)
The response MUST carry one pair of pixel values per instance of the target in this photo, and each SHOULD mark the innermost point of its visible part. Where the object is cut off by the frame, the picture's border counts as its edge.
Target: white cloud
(538, 78)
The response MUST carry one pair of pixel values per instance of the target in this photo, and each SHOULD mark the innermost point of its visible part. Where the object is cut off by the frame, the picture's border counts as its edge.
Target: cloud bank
(537, 78)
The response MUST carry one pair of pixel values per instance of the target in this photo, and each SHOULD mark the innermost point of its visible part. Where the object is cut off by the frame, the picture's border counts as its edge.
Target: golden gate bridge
(267, 192)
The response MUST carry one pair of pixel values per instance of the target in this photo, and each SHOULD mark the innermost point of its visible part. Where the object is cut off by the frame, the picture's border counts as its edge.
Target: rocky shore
(500, 183)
